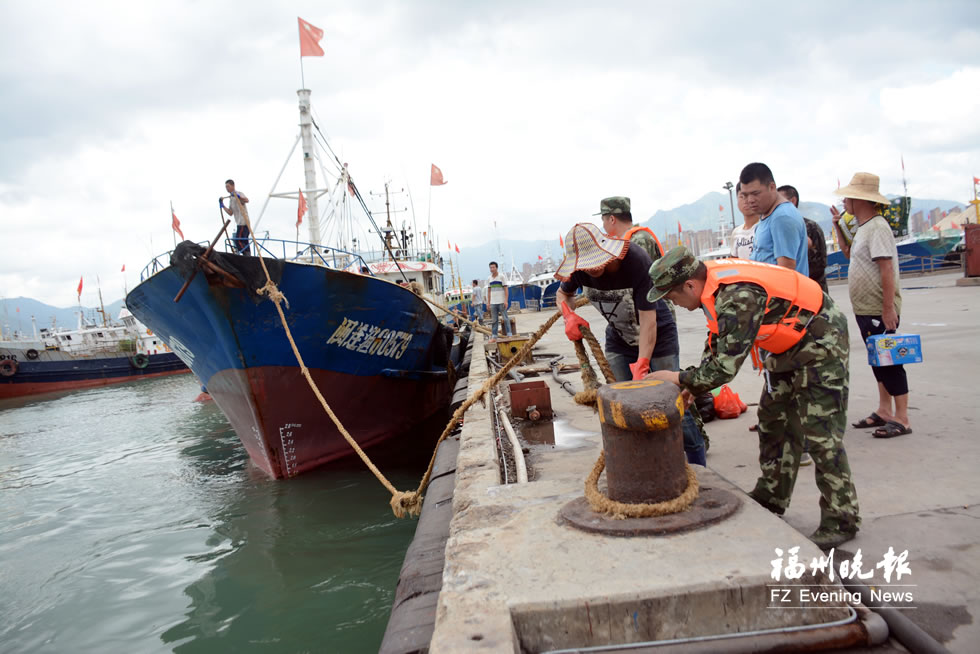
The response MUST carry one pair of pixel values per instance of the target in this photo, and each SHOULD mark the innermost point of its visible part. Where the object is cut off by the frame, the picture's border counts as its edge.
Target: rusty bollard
(642, 439)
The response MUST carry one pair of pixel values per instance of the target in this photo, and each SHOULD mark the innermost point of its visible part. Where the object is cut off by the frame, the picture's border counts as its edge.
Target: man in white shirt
(236, 208)
(744, 237)
(497, 298)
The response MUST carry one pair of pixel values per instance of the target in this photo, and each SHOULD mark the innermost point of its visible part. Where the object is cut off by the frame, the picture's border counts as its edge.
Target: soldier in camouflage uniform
(805, 390)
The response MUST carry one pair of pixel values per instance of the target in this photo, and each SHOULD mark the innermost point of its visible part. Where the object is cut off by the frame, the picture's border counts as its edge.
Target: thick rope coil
(600, 503)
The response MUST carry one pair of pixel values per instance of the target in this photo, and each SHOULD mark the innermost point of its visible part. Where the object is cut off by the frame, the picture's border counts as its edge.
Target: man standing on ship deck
(236, 208)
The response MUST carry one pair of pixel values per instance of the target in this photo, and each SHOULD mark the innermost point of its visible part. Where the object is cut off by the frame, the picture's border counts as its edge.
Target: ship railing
(303, 252)
(275, 248)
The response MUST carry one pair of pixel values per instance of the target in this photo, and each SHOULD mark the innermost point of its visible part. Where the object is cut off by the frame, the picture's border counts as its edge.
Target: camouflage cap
(615, 205)
(670, 270)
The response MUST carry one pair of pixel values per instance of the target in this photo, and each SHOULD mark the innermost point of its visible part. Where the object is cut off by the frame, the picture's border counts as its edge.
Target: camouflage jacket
(741, 307)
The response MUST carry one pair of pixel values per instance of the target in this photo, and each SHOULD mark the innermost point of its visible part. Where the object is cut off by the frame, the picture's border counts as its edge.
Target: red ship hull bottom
(285, 430)
(36, 388)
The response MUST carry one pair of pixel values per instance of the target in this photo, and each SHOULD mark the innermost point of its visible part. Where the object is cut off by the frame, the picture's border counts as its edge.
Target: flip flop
(891, 430)
(874, 420)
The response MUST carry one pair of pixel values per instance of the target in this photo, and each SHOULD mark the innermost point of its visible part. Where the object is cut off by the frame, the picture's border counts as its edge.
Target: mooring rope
(600, 503)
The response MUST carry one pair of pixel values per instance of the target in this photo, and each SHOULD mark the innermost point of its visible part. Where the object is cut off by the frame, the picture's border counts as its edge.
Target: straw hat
(863, 186)
(587, 248)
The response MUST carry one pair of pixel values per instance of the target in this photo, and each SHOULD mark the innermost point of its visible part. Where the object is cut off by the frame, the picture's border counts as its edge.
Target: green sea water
(132, 521)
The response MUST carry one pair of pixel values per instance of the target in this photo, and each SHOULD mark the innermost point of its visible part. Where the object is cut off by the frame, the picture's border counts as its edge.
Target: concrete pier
(517, 579)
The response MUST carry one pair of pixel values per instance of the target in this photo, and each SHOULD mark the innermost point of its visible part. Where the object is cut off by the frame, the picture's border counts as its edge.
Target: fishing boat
(89, 356)
(372, 344)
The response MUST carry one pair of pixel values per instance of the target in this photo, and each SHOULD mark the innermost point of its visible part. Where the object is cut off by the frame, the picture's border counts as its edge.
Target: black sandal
(891, 430)
(874, 420)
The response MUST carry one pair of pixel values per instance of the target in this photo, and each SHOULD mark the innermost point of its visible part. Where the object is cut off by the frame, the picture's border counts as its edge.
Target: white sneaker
(806, 459)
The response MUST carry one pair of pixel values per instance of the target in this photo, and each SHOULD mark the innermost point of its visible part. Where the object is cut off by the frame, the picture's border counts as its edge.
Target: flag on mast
(309, 39)
(80, 279)
(175, 224)
(679, 227)
(301, 210)
(457, 248)
(123, 268)
(435, 177)
(561, 242)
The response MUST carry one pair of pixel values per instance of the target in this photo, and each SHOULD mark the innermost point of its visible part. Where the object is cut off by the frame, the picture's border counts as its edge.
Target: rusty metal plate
(712, 505)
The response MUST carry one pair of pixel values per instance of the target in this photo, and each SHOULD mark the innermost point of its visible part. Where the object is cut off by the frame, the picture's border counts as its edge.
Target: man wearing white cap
(872, 280)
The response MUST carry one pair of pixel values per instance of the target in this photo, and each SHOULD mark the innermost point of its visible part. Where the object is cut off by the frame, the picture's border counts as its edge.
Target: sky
(534, 111)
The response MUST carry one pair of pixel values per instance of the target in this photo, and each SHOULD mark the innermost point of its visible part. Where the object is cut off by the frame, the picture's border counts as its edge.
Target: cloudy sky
(533, 110)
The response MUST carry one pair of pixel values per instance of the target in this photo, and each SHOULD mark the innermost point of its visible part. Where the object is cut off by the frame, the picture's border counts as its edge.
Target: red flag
(976, 180)
(679, 227)
(80, 288)
(435, 177)
(449, 245)
(540, 258)
(123, 268)
(561, 242)
(721, 208)
(309, 39)
(301, 210)
(936, 227)
(457, 248)
(176, 225)
(944, 214)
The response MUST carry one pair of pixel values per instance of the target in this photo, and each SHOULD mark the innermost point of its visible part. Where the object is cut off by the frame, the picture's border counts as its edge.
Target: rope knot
(406, 503)
(273, 292)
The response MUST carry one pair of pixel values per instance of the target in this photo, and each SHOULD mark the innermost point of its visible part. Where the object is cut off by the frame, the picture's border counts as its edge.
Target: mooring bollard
(642, 439)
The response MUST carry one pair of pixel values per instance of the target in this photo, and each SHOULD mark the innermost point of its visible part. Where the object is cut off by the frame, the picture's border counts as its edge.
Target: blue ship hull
(376, 351)
(920, 255)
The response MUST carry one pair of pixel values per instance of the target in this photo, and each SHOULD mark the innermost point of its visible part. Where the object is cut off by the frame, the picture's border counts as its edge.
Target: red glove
(640, 368)
(573, 323)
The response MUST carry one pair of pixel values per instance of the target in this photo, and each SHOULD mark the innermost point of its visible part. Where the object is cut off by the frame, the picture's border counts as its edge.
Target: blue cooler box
(894, 349)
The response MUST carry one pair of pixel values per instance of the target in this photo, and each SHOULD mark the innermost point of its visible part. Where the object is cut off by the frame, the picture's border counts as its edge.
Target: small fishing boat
(89, 356)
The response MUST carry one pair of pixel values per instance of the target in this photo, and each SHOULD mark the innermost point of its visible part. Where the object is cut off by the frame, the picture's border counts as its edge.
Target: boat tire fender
(31, 354)
(140, 361)
(8, 368)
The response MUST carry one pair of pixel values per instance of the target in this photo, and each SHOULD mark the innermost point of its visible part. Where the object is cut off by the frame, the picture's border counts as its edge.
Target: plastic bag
(728, 404)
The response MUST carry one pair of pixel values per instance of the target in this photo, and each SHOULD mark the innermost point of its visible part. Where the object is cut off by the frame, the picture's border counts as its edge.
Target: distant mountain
(12, 319)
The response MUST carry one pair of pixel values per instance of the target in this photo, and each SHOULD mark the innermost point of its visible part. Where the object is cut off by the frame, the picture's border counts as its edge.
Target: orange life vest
(804, 294)
(633, 230)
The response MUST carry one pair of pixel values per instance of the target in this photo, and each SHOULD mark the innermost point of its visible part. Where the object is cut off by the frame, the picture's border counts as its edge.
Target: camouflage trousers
(807, 404)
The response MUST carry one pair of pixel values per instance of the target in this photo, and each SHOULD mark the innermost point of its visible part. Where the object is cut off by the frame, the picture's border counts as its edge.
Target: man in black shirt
(640, 335)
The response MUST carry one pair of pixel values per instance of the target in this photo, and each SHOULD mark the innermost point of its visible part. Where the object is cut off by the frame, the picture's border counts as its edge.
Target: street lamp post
(729, 186)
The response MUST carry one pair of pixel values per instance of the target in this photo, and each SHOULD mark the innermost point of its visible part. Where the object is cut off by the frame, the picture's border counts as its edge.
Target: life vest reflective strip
(632, 230)
(804, 294)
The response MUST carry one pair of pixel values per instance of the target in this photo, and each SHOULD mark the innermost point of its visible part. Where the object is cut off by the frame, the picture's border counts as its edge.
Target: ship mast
(306, 134)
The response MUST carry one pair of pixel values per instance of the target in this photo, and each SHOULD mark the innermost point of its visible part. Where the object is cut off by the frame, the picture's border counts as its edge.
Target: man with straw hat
(638, 331)
(872, 280)
(753, 306)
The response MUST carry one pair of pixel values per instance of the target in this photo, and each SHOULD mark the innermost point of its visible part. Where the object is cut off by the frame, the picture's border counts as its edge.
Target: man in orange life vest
(752, 306)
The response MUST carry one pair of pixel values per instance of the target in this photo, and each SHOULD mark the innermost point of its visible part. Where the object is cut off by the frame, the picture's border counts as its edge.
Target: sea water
(131, 520)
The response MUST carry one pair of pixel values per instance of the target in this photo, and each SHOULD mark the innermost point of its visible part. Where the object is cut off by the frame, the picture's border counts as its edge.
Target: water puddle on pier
(553, 432)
